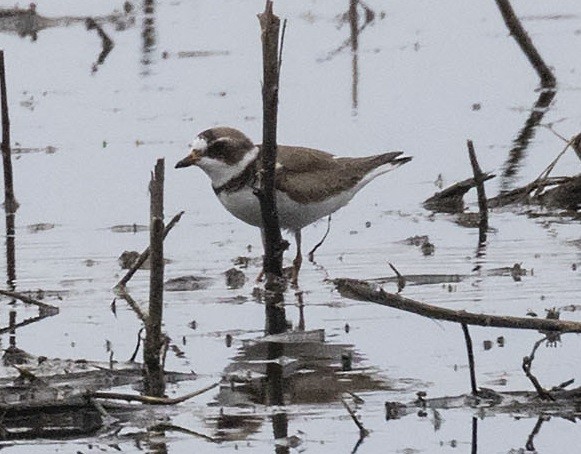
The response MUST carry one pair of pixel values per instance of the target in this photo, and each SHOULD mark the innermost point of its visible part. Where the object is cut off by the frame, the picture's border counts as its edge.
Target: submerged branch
(364, 291)
(48, 309)
(151, 400)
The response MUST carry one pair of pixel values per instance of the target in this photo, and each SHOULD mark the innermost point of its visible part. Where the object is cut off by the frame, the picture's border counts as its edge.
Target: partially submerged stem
(9, 200)
(363, 432)
(154, 339)
(273, 242)
(470, 351)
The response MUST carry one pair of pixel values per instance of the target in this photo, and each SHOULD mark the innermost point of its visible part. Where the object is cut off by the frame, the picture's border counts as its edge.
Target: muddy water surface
(423, 77)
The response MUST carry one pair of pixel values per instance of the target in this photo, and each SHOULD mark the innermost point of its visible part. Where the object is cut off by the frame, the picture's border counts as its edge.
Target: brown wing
(305, 174)
(302, 159)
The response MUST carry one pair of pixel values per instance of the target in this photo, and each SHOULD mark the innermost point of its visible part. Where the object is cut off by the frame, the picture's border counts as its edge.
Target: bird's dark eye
(217, 149)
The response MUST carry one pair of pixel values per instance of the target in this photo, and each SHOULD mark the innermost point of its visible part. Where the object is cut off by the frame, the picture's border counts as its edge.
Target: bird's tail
(383, 163)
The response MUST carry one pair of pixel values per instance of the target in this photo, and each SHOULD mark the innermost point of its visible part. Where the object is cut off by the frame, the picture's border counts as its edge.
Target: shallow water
(421, 68)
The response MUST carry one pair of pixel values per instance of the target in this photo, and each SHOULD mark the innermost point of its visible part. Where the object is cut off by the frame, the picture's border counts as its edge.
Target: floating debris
(421, 279)
(516, 271)
(25, 150)
(41, 227)
(566, 196)
(468, 220)
(202, 53)
(129, 228)
(127, 259)
(416, 240)
(187, 283)
(428, 248)
(235, 278)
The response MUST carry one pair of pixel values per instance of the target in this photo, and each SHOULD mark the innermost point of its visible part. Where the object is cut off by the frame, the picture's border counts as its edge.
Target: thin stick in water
(363, 432)
(470, 351)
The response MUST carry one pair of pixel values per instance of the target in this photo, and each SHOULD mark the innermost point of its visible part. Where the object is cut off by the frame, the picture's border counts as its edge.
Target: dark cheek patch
(217, 151)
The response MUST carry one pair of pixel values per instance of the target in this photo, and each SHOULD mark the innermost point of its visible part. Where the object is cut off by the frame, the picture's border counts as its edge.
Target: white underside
(292, 215)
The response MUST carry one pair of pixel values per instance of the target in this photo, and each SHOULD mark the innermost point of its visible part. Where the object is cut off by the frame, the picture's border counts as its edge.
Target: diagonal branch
(364, 291)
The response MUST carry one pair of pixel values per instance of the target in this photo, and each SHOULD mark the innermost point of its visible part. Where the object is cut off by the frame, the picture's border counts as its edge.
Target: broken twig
(527, 364)
(145, 254)
(400, 278)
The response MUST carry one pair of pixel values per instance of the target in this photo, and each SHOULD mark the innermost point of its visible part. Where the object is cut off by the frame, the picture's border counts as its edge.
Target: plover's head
(222, 153)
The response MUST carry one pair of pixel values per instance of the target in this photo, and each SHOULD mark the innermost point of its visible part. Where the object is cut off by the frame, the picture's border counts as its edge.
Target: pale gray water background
(422, 65)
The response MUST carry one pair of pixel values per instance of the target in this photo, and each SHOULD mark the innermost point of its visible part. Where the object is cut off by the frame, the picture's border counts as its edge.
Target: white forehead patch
(199, 144)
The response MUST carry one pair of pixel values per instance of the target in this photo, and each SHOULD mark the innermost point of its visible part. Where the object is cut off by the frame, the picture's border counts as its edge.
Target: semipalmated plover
(310, 184)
